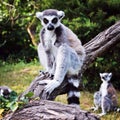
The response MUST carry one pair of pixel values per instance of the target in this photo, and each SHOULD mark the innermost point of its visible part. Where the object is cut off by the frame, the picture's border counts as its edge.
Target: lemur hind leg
(106, 105)
(67, 62)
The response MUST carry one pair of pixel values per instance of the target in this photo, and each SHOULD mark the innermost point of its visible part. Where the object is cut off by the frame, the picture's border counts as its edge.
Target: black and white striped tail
(73, 93)
(117, 109)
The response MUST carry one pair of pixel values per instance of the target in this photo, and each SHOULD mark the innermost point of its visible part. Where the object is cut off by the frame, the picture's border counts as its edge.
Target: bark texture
(49, 110)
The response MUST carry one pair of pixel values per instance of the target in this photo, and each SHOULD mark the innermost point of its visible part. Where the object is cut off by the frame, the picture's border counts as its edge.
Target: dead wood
(49, 110)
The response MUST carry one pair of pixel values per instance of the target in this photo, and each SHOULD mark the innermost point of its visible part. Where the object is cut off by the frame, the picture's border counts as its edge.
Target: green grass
(19, 76)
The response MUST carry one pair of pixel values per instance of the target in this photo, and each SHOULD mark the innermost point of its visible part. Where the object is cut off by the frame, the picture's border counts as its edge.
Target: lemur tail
(73, 92)
(117, 109)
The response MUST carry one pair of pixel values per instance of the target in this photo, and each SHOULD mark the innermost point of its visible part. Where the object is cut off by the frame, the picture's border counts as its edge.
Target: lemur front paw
(44, 82)
(51, 76)
(51, 86)
(45, 73)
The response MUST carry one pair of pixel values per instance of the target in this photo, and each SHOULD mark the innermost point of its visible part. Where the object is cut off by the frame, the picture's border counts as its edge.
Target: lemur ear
(100, 74)
(1, 92)
(110, 74)
(39, 15)
(9, 90)
(61, 14)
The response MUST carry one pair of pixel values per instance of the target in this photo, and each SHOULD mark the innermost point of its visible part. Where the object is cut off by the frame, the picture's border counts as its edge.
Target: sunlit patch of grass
(86, 100)
(18, 76)
(62, 99)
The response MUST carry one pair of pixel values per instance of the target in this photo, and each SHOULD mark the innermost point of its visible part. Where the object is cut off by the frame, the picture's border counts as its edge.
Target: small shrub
(13, 102)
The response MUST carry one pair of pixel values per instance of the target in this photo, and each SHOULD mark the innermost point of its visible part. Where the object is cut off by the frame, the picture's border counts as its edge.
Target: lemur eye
(55, 20)
(45, 21)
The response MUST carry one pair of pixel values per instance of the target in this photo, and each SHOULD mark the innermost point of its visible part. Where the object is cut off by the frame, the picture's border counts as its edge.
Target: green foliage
(85, 17)
(13, 102)
(14, 18)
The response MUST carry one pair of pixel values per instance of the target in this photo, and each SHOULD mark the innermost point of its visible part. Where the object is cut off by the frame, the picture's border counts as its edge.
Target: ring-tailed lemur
(60, 52)
(5, 91)
(105, 98)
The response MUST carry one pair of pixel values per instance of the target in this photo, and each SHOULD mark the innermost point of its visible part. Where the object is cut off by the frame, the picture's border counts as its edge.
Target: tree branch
(31, 31)
(101, 44)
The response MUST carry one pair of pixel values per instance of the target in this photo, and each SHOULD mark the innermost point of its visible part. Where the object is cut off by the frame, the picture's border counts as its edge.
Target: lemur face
(50, 19)
(105, 76)
(50, 22)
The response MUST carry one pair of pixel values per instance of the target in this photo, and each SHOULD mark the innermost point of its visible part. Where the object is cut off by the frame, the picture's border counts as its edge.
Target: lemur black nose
(50, 27)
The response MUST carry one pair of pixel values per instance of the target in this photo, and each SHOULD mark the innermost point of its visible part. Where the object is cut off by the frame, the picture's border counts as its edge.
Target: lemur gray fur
(5, 91)
(60, 52)
(106, 97)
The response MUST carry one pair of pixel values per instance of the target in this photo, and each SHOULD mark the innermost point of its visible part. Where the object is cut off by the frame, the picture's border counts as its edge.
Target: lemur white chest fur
(50, 37)
(103, 88)
(49, 41)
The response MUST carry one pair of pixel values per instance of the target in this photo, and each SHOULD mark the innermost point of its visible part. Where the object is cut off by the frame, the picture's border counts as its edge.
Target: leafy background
(86, 18)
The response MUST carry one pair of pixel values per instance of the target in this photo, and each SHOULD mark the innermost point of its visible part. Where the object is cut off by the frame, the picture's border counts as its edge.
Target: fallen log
(49, 110)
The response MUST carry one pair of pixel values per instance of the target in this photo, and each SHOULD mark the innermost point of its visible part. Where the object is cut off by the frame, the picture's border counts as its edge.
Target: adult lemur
(105, 98)
(60, 52)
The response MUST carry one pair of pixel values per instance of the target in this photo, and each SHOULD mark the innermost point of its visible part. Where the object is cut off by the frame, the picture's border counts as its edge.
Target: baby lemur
(105, 98)
(60, 52)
